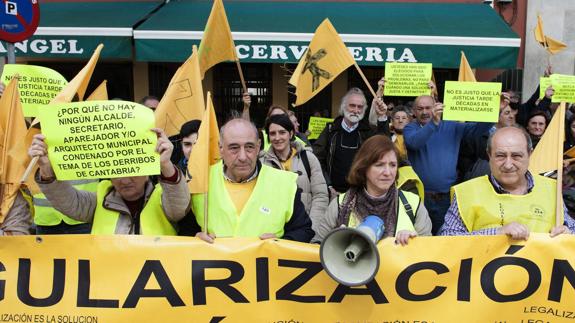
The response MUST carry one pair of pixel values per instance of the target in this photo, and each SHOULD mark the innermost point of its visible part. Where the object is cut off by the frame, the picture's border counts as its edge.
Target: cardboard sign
(407, 79)
(316, 126)
(38, 85)
(472, 101)
(100, 139)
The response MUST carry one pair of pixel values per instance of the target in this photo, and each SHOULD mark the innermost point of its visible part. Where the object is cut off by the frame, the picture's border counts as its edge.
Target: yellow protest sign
(564, 86)
(407, 79)
(38, 85)
(544, 83)
(471, 101)
(100, 139)
(316, 126)
(167, 279)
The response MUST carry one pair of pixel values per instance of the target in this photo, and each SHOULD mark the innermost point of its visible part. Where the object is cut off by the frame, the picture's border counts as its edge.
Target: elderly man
(433, 149)
(339, 141)
(126, 205)
(246, 198)
(511, 200)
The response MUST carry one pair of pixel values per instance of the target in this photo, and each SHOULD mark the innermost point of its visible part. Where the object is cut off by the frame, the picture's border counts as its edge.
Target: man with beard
(432, 149)
(339, 141)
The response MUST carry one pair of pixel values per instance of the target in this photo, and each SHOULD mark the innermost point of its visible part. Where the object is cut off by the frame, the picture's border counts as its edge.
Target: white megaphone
(350, 255)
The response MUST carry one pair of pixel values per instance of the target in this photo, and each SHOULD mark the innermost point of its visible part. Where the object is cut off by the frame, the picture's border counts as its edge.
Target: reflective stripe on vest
(46, 215)
(267, 210)
(153, 220)
(403, 220)
(481, 207)
(406, 174)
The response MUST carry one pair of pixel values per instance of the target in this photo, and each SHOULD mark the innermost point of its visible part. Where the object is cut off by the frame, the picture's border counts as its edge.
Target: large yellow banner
(177, 279)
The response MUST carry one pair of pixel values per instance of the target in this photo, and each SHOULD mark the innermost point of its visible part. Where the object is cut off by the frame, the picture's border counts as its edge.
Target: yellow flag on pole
(465, 72)
(549, 151)
(205, 152)
(79, 83)
(553, 46)
(100, 93)
(184, 98)
(14, 155)
(325, 58)
(217, 44)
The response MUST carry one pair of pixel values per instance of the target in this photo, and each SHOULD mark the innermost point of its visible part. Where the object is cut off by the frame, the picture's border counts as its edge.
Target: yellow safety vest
(267, 210)
(403, 220)
(481, 207)
(153, 220)
(46, 215)
(406, 174)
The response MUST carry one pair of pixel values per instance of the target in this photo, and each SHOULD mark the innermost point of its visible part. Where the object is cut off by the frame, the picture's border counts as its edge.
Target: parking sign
(18, 19)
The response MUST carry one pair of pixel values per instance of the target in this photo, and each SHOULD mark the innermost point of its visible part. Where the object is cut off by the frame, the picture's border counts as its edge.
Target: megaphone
(350, 255)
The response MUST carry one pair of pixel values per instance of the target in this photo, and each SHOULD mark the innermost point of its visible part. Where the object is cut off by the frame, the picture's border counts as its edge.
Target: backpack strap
(306, 165)
(406, 206)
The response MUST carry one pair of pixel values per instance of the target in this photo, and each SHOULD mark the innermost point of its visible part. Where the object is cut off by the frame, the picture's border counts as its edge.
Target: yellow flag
(465, 72)
(205, 152)
(539, 35)
(548, 155)
(570, 152)
(217, 43)
(554, 46)
(184, 98)
(14, 155)
(100, 93)
(323, 61)
(80, 82)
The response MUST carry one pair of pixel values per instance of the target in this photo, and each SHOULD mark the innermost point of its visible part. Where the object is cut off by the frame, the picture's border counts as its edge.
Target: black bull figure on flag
(316, 71)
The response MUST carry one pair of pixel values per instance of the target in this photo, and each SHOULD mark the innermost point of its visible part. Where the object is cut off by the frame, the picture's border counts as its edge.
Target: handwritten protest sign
(407, 79)
(316, 125)
(544, 83)
(472, 101)
(564, 86)
(100, 139)
(38, 85)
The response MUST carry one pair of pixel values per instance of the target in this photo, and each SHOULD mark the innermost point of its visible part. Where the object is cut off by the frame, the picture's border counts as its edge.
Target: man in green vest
(125, 205)
(246, 198)
(511, 200)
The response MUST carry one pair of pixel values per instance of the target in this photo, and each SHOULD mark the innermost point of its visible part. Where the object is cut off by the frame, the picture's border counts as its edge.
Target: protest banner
(407, 79)
(183, 279)
(316, 125)
(38, 85)
(471, 101)
(544, 83)
(100, 139)
(564, 86)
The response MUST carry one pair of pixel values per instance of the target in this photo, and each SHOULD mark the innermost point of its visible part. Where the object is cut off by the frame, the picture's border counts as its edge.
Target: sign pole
(11, 53)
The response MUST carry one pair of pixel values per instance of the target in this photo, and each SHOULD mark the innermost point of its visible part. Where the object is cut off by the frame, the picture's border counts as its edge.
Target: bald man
(511, 200)
(246, 198)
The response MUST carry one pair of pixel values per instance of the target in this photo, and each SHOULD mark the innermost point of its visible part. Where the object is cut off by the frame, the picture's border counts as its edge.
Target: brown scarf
(358, 202)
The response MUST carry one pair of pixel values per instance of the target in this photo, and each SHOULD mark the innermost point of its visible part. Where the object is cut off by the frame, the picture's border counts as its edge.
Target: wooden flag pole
(365, 80)
(241, 76)
(29, 169)
(559, 213)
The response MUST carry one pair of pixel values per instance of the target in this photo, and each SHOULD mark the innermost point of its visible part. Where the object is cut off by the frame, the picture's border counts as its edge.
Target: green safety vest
(267, 210)
(46, 215)
(403, 220)
(153, 220)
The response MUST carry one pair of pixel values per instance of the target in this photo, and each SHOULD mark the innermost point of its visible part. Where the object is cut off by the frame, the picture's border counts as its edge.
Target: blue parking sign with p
(19, 19)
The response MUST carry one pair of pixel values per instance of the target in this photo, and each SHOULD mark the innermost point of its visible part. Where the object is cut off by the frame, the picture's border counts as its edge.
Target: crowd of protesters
(421, 174)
